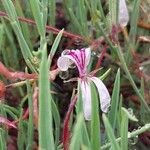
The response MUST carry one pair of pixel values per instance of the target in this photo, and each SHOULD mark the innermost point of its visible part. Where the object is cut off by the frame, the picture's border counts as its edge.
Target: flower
(81, 58)
(123, 17)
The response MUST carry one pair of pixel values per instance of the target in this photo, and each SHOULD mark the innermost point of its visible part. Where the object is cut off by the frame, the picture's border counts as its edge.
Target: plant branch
(48, 27)
(23, 76)
(66, 132)
(130, 135)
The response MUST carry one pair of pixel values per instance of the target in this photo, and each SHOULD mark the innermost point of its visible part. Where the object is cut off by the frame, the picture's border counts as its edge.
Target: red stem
(48, 27)
(22, 76)
(35, 106)
(16, 75)
(66, 132)
(25, 116)
(101, 57)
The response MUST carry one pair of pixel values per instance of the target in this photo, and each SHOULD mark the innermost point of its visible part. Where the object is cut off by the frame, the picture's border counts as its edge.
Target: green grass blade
(85, 136)
(133, 31)
(35, 7)
(102, 13)
(1, 35)
(75, 21)
(9, 112)
(144, 116)
(30, 122)
(10, 9)
(56, 118)
(125, 68)
(21, 134)
(118, 122)
(109, 131)
(133, 23)
(115, 101)
(130, 135)
(113, 10)
(46, 140)
(52, 10)
(9, 34)
(77, 134)
(24, 27)
(124, 130)
(12, 109)
(56, 43)
(121, 57)
(82, 16)
(24, 47)
(52, 16)
(95, 122)
(2, 140)
(105, 74)
(44, 5)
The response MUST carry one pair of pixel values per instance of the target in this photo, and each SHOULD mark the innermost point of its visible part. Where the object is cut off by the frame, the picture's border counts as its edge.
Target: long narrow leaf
(110, 133)
(115, 101)
(124, 131)
(35, 7)
(95, 122)
(77, 134)
(30, 123)
(46, 140)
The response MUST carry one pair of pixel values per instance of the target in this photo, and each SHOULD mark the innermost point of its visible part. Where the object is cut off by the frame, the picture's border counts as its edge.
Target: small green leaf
(130, 115)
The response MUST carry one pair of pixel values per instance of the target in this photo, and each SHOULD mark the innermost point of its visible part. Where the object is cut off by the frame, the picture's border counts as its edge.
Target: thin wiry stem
(130, 135)
(101, 57)
(66, 132)
(35, 106)
(48, 27)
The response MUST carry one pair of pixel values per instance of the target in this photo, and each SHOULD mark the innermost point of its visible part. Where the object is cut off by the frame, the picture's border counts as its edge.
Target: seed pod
(2, 90)
(123, 17)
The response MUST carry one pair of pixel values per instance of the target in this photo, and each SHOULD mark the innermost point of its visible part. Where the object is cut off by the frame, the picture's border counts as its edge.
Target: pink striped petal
(81, 59)
(87, 56)
(6, 122)
(103, 94)
(86, 98)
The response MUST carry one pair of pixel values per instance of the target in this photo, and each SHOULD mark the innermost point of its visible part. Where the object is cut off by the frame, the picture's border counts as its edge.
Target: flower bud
(123, 17)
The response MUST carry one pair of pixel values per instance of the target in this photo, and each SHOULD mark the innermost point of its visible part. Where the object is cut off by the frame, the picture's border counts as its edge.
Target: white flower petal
(86, 98)
(88, 56)
(81, 59)
(123, 17)
(103, 94)
(63, 63)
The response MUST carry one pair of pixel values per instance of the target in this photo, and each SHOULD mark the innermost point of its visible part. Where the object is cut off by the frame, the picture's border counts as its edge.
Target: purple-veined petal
(81, 59)
(103, 94)
(123, 17)
(86, 98)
